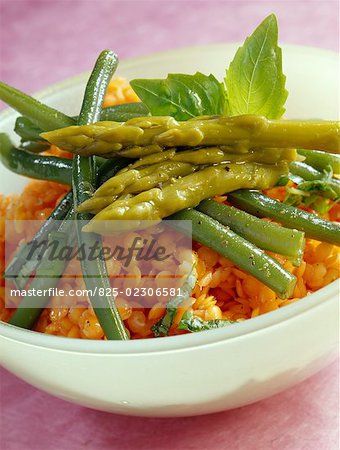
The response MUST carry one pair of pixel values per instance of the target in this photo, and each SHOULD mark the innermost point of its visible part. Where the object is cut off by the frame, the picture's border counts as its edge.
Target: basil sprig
(181, 96)
(254, 83)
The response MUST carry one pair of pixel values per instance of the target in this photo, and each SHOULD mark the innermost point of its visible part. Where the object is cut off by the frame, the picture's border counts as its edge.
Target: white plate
(204, 372)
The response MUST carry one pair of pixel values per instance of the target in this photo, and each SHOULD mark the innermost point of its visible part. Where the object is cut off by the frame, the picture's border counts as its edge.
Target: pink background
(43, 42)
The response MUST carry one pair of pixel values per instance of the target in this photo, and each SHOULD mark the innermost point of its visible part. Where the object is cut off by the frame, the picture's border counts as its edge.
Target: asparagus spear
(135, 181)
(157, 169)
(186, 192)
(215, 155)
(152, 134)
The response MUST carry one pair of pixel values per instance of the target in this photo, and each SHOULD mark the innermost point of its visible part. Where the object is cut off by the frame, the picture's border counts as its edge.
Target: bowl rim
(185, 341)
(317, 299)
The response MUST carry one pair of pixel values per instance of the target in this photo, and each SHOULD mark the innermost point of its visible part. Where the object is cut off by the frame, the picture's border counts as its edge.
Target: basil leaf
(181, 96)
(255, 83)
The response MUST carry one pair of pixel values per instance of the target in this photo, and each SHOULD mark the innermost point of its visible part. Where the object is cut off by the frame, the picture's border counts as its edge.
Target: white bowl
(204, 372)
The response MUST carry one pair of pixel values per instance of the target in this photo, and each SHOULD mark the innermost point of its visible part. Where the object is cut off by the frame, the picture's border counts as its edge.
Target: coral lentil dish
(261, 194)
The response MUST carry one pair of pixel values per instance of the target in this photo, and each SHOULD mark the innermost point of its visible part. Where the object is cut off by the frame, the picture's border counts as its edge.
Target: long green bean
(34, 146)
(263, 234)
(124, 112)
(320, 160)
(83, 182)
(26, 129)
(20, 268)
(30, 165)
(47, 276)
(304, 171)
(260, 205)
(244, 254)
(30, 136)
(51, 168)
(110, 168)
(41, 115)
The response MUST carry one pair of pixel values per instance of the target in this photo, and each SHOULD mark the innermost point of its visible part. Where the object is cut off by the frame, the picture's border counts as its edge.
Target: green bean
(262, 206)
(52, 168)
(83, 182)
(41, 115)
(308, 173)
(320, 160)
(263, 234)
(124, 112)
(304, 171)
(34, 147)
(242, 253)
(30, 165)
(110, 168)
(26, 129)
(46, 277)
(30, 136)
(20, 268)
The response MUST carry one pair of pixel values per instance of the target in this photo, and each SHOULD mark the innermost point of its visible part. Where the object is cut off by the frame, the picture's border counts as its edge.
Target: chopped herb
(162, 327)
(189, 322)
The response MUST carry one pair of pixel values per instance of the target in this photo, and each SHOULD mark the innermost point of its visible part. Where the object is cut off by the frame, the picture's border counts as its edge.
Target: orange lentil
(137, 321)
(89, 326)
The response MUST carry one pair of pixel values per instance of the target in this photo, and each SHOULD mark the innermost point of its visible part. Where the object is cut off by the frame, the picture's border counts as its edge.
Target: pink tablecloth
(45, 41)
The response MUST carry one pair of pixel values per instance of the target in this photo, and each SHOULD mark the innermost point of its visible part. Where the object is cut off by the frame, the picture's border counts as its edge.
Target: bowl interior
(312, 82)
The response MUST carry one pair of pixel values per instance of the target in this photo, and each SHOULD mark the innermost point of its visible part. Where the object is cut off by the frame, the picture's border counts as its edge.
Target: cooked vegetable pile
(191, 138)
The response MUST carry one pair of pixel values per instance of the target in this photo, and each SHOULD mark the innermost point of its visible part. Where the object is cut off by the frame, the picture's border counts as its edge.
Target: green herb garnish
(181, 96)
(255, 83)
(189, 322)
(315, 194)
(245, 92)
(162, 327)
